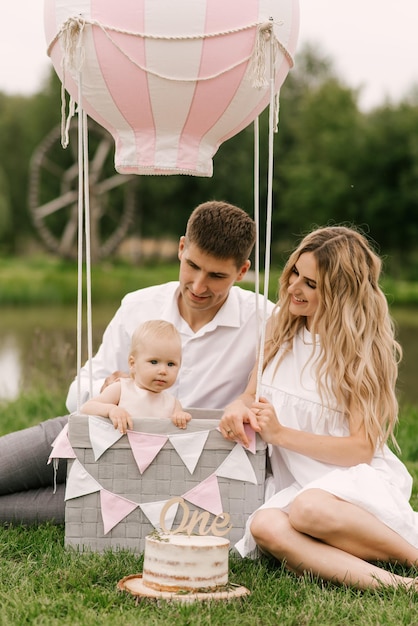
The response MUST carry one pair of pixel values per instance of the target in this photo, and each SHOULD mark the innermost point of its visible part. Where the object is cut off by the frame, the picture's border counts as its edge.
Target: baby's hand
(120, 419)
(180, 419)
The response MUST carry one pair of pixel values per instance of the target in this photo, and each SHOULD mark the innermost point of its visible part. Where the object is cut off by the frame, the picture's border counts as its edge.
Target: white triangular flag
(153, 512)
(102, 435)
(237, 466)
(189, 447)
(80, 482)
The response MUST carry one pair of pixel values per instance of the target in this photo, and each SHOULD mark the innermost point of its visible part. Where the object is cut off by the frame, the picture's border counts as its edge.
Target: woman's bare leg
(343, 525)
(275, 535)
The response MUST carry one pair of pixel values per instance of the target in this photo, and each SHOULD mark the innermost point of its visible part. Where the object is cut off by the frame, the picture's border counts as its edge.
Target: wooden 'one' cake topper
(220, 525)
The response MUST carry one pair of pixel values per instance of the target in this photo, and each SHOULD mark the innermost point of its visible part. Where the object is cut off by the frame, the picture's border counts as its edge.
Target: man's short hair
(222, 230)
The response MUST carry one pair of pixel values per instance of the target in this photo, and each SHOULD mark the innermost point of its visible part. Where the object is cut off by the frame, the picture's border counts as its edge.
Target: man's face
(205, 280)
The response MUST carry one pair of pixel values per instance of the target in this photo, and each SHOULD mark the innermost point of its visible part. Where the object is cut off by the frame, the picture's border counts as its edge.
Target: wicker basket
(166, 477)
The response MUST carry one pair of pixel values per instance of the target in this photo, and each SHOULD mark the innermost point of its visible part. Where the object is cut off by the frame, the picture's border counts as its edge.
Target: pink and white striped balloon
(169, 79)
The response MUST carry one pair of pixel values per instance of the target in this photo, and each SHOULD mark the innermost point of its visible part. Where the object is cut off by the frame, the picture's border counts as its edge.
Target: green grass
(45, 281)
(43, 583)
(49, 281)
(46, 584)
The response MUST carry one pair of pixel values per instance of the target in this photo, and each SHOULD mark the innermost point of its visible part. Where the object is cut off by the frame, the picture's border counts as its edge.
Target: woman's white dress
(382, 487)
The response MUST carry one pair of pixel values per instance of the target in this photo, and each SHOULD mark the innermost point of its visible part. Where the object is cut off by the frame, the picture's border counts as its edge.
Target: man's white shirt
(217, 359)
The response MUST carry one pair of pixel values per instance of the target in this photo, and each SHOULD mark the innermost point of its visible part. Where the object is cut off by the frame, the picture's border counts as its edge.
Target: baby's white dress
(144, 403)
(382, 487)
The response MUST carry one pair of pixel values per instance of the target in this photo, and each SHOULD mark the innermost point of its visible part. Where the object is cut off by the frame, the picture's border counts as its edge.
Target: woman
(338, 497)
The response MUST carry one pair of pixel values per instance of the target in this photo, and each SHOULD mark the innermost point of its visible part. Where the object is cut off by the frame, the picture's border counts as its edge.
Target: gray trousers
(26, 481)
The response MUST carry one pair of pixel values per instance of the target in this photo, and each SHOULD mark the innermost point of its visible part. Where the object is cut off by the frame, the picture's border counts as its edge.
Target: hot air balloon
(171, 80)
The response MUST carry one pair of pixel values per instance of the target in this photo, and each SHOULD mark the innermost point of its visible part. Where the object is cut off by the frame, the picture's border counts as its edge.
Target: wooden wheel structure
(53, 194)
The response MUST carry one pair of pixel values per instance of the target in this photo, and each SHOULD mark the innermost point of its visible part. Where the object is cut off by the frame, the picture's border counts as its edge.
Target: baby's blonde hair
(359, 356)
(151, 329)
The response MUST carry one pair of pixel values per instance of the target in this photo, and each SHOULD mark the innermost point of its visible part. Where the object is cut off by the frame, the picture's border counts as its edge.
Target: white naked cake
(175, 562)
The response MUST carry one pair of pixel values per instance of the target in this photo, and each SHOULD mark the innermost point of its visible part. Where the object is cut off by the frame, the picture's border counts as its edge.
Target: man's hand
(113, 378)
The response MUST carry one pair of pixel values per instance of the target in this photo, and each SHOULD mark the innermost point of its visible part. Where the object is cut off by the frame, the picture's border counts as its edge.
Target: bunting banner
(80, 482)
(189, 447)
(145, 447)
(102, 435)
(152, 510)
(114, 509)
(237, 466)
(206, 495)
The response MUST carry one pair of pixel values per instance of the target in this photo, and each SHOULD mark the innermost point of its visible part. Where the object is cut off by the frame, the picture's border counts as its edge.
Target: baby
(154, 363)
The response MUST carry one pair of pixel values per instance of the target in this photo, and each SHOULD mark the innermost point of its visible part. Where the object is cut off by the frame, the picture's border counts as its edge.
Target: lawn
(42, 583)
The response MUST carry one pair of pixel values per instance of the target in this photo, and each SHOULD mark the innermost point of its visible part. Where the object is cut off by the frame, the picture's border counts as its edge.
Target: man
(218, 324)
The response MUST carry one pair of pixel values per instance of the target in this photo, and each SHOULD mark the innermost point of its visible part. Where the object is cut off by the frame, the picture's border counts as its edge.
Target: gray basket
(165, 478)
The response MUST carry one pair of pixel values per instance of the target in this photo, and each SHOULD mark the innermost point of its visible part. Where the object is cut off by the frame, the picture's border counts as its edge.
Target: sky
(373, 45)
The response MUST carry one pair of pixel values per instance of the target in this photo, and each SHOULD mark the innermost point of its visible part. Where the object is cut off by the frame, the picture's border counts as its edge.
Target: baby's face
(156, 365)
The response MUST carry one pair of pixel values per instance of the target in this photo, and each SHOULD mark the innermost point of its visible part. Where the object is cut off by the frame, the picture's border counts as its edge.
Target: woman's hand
(232, 422)
(269, 426)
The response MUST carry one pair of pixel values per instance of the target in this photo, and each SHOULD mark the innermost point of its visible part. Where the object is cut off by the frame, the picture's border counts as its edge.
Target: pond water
(40, 345)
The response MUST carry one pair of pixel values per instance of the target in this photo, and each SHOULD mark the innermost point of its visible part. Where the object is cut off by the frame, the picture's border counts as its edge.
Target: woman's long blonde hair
(359, 355)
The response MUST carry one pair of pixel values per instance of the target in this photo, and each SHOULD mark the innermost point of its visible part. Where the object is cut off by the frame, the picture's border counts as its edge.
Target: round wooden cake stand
(135, 585)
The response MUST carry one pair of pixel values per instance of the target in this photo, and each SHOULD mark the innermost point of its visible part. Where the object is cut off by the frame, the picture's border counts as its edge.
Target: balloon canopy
(171, 80)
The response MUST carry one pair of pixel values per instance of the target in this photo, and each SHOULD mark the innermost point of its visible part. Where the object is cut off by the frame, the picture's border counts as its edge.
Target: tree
(387, 171)
(318, 142)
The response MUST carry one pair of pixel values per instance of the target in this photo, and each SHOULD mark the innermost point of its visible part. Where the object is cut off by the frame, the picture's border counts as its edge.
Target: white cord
(88, 251)
(272, 116)
(257, 222)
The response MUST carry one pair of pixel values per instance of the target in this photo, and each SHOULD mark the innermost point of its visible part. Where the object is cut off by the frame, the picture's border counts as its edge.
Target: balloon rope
(72, 27)
(80, 243)
(272, 108)
(257, 222)
(83, 216)
(88, 251)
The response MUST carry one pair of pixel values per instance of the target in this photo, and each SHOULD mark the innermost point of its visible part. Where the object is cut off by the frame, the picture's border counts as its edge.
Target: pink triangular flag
(102, 435)
(114, 509)
(153, 512)
(238, 466)
(80, 482)
(62, 432)
(250, 432)
(145, 447)
(206, 495)
(189, 447)
(61, 447)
